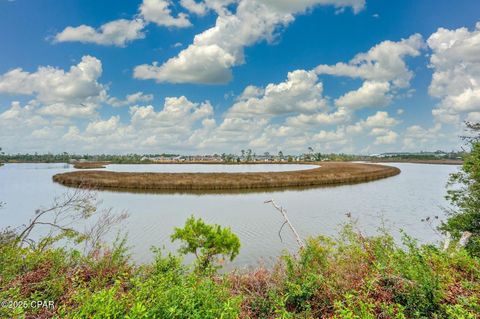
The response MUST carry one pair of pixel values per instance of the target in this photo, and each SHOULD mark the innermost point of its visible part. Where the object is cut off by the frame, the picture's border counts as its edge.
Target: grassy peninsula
(90, 165)
(329, 173)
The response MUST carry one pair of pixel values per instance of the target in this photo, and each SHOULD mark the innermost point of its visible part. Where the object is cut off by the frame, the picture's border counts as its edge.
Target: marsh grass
(329, 173)
(90, 165)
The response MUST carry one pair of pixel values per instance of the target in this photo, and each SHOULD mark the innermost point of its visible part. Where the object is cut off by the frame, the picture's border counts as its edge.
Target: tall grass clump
(329, 173)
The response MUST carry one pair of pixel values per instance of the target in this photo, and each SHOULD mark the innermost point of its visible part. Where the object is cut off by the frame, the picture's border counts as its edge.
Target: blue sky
(202, 76)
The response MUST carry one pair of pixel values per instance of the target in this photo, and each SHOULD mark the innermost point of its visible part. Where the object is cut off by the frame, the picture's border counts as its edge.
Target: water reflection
(206, 168)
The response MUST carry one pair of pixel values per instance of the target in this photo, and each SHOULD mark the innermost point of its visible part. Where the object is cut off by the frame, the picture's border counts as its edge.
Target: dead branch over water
(329, 173)
(63, 219)
(286, 222)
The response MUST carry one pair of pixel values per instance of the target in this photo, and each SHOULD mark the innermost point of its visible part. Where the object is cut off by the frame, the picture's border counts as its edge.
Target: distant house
(179, 159)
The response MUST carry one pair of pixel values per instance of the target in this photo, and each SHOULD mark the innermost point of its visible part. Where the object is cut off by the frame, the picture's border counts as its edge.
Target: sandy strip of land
(329, 173)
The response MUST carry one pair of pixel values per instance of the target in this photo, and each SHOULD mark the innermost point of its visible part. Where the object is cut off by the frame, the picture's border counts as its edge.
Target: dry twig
(286, 222)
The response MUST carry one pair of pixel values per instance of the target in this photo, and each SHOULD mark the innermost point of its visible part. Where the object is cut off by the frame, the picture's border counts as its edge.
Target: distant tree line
(66, 157)
(426, 156)
(244, 156)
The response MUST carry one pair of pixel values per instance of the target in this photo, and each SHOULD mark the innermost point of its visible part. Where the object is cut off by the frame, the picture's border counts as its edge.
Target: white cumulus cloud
(384, 62)
(213, 53)
(455, 60)
(160, 13)
(75, 92)
(118, 33)
(302, 5)
(199, 8)
(370, 94)
(122, 31)
(130, 99)
(300, 93)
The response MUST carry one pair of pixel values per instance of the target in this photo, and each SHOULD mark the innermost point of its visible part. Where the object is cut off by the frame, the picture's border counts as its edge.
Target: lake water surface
(401, 200)
(207, 168)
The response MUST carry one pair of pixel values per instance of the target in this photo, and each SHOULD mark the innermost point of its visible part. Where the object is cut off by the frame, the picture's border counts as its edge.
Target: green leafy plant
(207, 242)
(465, 196)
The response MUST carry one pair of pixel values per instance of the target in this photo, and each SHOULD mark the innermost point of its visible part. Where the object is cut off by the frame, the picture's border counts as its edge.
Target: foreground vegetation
(464, 218)
(349, 277)
(328, 174)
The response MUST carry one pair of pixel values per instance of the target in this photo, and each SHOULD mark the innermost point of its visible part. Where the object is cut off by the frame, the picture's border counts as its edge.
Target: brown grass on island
(90, 165)
(329, 173)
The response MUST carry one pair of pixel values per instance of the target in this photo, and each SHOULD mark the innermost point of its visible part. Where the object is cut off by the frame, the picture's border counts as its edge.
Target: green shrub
(466, 199)
(171, 291)
(206, 242)
(107, 303)
(303, 275)
(353, 276)
(468, 308)
(353, 307)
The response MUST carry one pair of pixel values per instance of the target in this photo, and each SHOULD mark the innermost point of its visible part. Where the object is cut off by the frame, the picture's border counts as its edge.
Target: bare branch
(280, 231)
(474, 130)
(465, 238)
(95, 234)
(62, 218)
(72, 206)
(55, 226)
(287, 221)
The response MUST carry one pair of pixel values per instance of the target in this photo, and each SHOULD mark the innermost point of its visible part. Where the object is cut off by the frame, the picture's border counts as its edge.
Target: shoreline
(330, 173)
(94, 163)
(432, 162)
(90, 165)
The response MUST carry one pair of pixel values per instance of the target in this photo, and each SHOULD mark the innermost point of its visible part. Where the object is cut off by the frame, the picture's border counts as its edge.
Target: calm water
(206, 168)
(402, 201)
